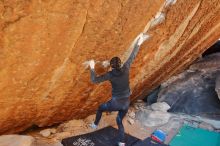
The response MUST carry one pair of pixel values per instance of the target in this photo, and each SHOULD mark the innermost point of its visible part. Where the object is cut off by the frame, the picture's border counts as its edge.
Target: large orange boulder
(44, 43)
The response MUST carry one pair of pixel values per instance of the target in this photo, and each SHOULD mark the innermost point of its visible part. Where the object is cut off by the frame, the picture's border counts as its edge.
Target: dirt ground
(133, 124)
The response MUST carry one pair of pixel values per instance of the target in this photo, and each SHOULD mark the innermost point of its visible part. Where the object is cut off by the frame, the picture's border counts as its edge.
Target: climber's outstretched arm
(135, 50)
(94, 77)
(132, 55)
(98, 79)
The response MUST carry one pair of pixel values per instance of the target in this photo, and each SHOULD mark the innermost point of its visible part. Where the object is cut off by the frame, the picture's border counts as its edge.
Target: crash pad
(190, 136)
(104, 137)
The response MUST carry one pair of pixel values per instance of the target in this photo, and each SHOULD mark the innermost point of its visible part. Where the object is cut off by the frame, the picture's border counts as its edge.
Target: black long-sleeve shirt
(119, 79)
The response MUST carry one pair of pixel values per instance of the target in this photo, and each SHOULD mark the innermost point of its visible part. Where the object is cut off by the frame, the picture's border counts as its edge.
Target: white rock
(45, 132)
(157, 118)
(160, 106)
(136, 107)
(16, 140)
(131, 114)
(153, 118)
(53, 130)
(130, 121)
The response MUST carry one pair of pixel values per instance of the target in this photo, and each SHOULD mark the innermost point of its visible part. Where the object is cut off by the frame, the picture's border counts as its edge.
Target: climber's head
(116, 63)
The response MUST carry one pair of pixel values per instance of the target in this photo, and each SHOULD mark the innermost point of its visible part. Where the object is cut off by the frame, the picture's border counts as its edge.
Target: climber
(119, 78)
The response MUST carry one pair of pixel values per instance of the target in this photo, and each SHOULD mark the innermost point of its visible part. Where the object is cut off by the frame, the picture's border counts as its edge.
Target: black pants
(120, 105)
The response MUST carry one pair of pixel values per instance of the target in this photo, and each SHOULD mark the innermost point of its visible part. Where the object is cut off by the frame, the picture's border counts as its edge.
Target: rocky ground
(140, 122)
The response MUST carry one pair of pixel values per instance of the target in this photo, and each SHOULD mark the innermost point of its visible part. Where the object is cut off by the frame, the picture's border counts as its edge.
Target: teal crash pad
(190, 136)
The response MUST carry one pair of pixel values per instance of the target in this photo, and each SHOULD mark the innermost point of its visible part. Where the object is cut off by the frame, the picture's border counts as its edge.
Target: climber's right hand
(143, 37)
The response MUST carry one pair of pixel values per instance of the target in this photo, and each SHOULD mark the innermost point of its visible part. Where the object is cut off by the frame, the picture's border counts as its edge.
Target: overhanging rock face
(45, 43)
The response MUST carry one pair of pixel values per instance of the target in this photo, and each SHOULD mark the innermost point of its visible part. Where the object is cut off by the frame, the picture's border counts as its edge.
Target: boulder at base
(194, 91)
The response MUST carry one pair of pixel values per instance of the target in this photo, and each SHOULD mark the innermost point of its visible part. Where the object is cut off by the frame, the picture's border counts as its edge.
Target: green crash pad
(190, 136)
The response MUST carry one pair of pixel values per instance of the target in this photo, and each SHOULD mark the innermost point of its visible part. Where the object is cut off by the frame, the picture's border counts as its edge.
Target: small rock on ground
(45, 132)
(130, 121)
(160, 106)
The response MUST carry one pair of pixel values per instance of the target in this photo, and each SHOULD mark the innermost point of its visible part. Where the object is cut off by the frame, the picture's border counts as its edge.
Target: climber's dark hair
(116, 63)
